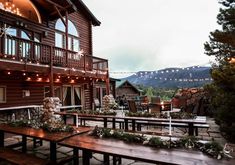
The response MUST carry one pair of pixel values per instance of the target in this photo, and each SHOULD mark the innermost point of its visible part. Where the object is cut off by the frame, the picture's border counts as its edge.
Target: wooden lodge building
(128, 90)
(46, 50)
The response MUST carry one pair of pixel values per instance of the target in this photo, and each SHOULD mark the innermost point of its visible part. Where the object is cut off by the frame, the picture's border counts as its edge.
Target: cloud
(154, 34)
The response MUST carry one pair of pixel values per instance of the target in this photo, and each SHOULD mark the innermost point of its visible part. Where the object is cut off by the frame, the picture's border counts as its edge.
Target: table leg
(86, 157)
(105, 122)
(114, 160)
(75, 120)
(190, 129)
(126, 124)
(1, 139)
(106, 159)
(75, 156)
(133, 125)
(64, 118)
(114, 123)
(24, 143)
(53, 151)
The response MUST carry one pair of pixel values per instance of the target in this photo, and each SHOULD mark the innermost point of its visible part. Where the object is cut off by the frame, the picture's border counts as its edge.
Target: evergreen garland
(56, 127)
(90, 112)
(174, 115)
(212, 148)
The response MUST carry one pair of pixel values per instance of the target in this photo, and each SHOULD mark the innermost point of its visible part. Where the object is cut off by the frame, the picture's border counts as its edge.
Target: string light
(9, 6)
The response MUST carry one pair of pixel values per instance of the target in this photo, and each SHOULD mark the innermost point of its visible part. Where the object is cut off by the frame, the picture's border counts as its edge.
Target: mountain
(194, 76)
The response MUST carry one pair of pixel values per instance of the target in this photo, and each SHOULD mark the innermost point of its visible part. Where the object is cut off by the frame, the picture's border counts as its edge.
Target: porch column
(107, 84)
(51, 77)
(66, 37)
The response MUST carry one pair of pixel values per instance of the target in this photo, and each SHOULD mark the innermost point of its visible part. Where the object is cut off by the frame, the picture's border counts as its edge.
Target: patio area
(97, 159)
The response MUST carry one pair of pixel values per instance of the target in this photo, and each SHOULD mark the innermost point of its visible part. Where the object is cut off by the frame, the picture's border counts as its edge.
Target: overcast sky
(152, 34)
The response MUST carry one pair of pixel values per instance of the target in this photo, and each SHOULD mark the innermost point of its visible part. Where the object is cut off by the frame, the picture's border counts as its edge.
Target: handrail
(19, 49)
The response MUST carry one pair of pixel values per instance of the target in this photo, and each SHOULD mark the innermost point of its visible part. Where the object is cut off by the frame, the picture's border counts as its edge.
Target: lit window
(2, 94)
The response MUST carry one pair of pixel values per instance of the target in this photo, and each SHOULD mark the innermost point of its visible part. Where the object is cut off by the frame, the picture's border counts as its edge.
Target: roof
(49, 9)
(122, 82)
(94, 20)
(114, 79)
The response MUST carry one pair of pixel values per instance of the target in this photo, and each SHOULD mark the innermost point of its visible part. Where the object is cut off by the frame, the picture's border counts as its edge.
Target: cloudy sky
(152, 34)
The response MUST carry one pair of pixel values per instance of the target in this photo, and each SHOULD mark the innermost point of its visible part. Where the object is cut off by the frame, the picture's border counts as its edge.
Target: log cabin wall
(47, 31)
(16, 84)
(14, 91)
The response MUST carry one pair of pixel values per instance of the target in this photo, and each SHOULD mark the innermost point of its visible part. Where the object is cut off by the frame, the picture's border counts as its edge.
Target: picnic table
(52, 137)
(191, 124)
(118, 148)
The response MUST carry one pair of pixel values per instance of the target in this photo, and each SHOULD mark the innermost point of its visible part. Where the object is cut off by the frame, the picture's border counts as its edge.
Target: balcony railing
(18, 49)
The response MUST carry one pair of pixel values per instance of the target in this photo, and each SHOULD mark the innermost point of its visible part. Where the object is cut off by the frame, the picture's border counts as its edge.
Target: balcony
(30, 53)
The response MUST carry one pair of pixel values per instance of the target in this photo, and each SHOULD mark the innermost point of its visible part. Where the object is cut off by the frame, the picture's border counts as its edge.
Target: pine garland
(55, 127)
(174, 115)
(90, 112)
(212, 148)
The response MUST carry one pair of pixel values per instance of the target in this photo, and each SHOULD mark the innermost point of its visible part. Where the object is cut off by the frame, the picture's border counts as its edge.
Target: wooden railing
(18, 49)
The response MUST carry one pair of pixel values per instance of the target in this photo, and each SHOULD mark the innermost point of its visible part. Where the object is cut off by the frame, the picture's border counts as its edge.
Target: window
(24, 48)
(73, 36)
(2, 94)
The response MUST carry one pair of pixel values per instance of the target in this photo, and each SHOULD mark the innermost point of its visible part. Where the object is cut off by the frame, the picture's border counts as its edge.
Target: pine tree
(222, 46)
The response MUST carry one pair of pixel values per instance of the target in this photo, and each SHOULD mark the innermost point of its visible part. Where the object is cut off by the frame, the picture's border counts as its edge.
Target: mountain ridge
(173, 77)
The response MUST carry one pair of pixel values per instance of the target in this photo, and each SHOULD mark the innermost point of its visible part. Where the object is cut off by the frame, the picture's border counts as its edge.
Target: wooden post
(66, 37)
(107, 81)
(52, 93)
(107, 86)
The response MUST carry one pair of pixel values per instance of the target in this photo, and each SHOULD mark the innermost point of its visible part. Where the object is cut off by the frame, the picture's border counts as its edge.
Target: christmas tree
(221, 45)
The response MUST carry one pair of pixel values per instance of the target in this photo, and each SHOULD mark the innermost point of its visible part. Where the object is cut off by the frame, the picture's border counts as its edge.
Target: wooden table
(52, 137)
(105, 118)
(117, 148)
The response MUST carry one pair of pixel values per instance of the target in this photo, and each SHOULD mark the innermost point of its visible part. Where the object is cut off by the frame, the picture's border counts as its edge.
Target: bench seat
(20, 158)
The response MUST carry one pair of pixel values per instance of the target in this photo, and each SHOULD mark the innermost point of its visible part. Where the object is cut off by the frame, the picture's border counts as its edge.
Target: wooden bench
(165, 124)
(20, 158)
(207, 126)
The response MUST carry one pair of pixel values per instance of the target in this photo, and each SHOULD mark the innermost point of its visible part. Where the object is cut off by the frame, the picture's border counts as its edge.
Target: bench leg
(190, 129)
(138, 127)
(117, 160)
(106, 159)
(1, 139)
(75, 156)
(86, 157)
(24, 143)
(53, 151)
(196, 131)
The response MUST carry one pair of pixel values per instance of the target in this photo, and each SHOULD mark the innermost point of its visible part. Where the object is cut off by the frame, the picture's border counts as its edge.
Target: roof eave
(91, 16)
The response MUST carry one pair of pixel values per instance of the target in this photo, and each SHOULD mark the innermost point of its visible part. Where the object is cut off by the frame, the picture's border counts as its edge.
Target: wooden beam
(65, 8)
(72, 4)
(55, 4)
(61, 17)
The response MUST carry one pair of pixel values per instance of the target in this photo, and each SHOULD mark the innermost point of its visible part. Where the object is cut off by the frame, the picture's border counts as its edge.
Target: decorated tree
(222, 46)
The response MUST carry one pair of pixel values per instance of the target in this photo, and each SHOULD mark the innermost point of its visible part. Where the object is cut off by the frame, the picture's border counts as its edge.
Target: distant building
(127, 89)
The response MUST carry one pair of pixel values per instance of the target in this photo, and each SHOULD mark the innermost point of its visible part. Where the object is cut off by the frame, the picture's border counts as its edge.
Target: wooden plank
(140, 152)
(20, 158)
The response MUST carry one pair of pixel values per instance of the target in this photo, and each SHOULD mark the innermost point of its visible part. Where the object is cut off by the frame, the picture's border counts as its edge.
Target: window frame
(70, 36)
(5, 94)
